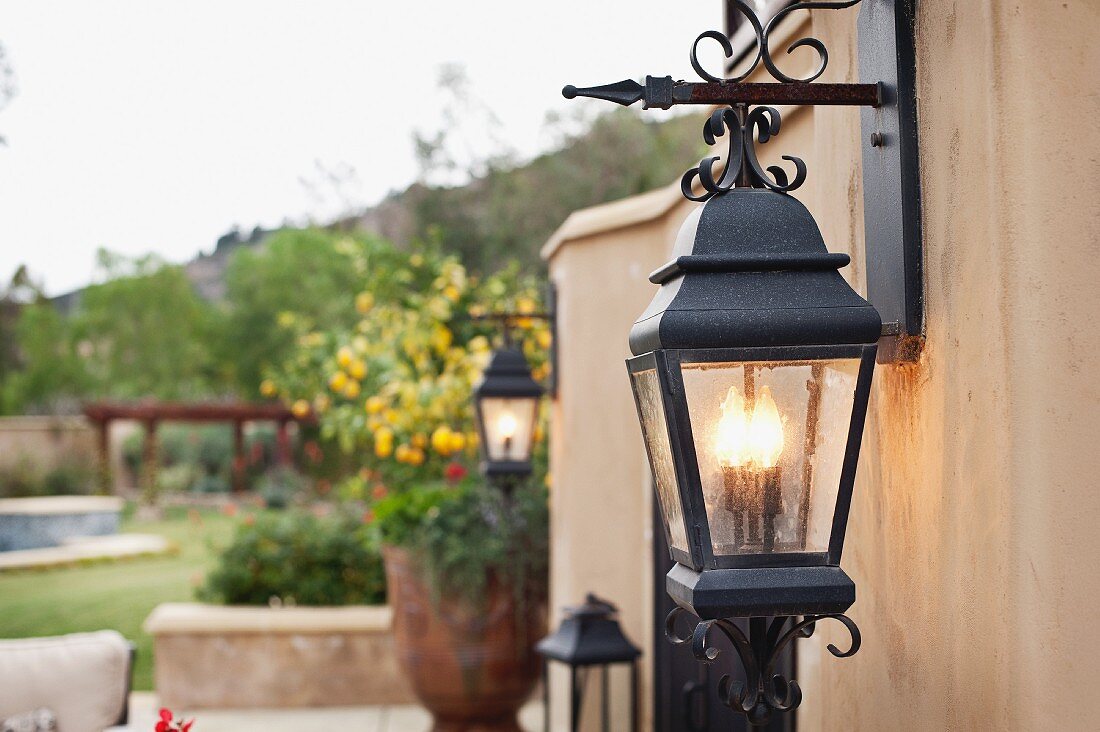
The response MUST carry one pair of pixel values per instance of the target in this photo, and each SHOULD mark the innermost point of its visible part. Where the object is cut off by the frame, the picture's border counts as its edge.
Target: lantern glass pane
(651, 406)
(770, 439)
(508, 424)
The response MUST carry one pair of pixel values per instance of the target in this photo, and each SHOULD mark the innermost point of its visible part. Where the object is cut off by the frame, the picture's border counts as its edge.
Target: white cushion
(82, 678)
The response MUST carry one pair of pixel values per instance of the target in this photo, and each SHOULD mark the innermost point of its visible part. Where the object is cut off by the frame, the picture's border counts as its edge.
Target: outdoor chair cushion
(82, 678)
(40, 720)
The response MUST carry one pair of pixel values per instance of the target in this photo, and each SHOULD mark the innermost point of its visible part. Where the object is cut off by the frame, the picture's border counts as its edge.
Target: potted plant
(466, 571)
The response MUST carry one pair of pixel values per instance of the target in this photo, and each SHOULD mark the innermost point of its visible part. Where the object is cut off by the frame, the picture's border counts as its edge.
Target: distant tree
(310, 275)
(21, 291)
(51, 376)
(145, 332)
(141, 332)
(508, 212)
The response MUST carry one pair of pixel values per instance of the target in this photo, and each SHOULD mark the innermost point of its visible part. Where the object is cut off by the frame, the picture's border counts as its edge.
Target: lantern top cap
(589, 635)
(508, 375)
(750, 268)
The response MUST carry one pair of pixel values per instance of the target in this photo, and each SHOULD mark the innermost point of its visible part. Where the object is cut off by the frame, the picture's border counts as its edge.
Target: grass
(120, 594)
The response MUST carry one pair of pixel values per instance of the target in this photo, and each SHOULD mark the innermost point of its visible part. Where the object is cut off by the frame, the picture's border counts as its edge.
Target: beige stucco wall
(973, 534)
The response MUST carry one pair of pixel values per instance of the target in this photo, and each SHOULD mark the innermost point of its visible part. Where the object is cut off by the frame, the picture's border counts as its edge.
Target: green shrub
(279, 486)
(298, 558)
(24, 479)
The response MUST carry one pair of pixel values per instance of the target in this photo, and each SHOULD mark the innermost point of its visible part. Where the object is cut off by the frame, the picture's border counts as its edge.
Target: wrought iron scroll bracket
(764, 691)
(892, 210)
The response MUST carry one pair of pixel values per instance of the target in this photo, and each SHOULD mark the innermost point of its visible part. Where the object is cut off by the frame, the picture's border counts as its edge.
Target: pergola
(152, 413)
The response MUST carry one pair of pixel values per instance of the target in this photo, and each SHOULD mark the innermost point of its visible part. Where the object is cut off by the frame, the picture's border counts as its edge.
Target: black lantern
(752, 365)
(589, 637)
(506, 401)
(751, 374)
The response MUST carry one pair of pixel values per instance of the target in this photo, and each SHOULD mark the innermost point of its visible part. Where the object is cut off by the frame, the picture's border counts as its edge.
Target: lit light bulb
(765, 431)
(731, 443)
(507, 425)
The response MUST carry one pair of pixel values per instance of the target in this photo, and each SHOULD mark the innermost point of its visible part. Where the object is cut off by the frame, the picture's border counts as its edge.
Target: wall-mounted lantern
(506, 407)
(589, 639)
(752, 365)
(506, 401)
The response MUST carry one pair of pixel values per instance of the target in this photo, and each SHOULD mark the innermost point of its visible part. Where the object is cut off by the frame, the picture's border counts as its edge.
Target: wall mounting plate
(891, 180)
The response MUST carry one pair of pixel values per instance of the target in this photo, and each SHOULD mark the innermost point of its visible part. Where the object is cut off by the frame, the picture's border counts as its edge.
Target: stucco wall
(973, 533)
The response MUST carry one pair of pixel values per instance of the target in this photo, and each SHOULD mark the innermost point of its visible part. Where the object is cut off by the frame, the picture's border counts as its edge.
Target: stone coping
(61, 505)
(193, 618)
(78, 549)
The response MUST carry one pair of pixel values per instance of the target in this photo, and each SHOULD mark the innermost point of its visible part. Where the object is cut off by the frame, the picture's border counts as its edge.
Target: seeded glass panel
(770, 441)
(647, 392)
(508, 426)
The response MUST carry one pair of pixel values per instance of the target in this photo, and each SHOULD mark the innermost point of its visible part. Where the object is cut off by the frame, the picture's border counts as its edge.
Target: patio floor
(143, 715)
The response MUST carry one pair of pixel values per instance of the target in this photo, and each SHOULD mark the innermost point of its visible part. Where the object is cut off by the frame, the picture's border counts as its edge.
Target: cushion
(39, 720)
(83, 678)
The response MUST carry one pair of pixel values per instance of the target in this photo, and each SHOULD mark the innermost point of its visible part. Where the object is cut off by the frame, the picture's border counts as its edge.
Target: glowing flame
(507, 425)
(731, 443)
(766, 431)
(741, 439)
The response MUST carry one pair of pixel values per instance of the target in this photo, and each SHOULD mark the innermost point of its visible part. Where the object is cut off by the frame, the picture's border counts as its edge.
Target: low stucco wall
(214, 657)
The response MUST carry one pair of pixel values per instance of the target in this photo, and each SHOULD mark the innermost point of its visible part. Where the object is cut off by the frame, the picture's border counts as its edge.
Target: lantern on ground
(506, 402)
(590, 638)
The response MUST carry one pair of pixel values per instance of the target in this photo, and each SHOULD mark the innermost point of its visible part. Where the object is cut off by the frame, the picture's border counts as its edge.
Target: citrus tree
(394, 389)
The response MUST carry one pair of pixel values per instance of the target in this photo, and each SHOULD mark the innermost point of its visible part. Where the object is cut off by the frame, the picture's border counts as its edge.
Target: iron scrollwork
(742, 167)
(763, 51)
(764, 692)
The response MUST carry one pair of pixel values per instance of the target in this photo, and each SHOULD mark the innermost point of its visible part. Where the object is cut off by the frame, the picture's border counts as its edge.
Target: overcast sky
(156, 126)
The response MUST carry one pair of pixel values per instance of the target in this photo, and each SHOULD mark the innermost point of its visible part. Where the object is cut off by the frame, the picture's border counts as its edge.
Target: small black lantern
(506, 402)
(589, 637)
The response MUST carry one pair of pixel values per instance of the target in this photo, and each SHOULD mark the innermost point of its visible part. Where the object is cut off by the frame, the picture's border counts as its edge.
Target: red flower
(379, 492)
(454, 472)
(168, 724)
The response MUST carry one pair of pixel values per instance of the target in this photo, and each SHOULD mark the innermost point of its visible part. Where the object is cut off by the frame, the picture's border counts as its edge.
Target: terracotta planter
(472, 668)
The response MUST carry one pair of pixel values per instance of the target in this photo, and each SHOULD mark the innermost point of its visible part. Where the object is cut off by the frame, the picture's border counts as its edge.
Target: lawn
(119, 594)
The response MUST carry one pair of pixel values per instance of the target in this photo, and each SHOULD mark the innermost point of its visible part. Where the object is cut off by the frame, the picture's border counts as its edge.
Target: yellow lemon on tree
(451, 293)
(383, 442)
(403, 453)
(338, 381)
(441, 440)
(416, 456)
(268, 388)
(419, 440)
(351, 390)
(458, 442)
(357, 369)
(300, 408)
(544, 339)
(375, 404)
(344, 356)
(364, 301)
